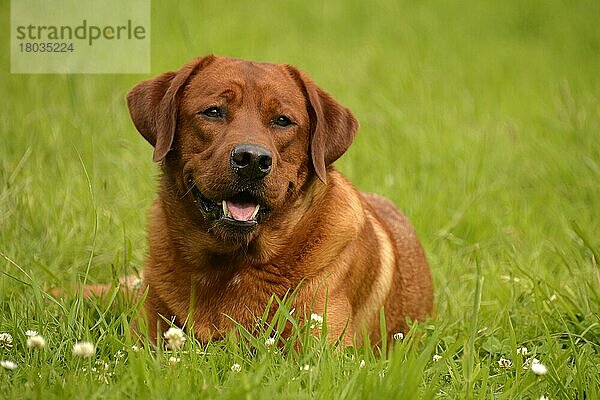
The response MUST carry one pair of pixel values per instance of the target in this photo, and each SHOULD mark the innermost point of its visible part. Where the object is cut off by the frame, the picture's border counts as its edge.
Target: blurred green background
(481, 120)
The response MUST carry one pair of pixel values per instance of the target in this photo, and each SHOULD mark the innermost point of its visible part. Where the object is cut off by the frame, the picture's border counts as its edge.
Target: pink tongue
(241, 211)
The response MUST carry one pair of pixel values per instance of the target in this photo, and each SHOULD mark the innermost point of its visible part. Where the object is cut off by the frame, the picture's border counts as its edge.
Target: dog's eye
(282, 121)
(212, 112)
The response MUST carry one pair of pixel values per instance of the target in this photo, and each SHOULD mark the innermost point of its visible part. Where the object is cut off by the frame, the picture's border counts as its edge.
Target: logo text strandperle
(82, 32)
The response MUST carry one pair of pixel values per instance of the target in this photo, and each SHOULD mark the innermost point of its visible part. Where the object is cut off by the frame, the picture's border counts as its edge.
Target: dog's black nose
(250, 161)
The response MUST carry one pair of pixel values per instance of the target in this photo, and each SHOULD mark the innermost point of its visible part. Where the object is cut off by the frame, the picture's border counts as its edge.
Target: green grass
(481, 121)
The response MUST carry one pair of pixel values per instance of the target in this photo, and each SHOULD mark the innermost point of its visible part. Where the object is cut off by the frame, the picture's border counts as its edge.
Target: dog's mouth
(241, 209)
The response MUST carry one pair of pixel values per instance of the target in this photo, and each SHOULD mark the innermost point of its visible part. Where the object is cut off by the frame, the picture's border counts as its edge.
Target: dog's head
(241, 139)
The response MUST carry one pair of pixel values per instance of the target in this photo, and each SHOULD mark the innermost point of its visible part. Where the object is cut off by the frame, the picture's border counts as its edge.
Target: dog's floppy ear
(153, 105)
(333, 127)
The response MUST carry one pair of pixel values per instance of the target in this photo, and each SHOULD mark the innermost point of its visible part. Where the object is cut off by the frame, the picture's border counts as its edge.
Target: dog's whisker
(187, 191)
(172, 187)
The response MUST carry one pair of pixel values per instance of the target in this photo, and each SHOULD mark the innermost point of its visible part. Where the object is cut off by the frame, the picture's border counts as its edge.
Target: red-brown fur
(354, 251)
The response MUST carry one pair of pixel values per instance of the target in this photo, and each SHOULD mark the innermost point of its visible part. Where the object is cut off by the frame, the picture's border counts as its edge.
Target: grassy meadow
(481, 120)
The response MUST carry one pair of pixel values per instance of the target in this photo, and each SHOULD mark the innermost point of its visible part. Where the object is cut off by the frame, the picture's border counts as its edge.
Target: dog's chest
(240, 297)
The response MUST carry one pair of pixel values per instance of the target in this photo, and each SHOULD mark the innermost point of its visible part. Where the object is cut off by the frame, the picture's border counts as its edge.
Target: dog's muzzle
(241, 209)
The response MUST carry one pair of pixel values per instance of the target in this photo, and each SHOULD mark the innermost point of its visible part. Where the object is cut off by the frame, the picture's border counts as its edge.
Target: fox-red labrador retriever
(250, 206)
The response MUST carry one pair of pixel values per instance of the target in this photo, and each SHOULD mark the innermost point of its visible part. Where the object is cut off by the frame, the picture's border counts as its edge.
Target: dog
(250, 206)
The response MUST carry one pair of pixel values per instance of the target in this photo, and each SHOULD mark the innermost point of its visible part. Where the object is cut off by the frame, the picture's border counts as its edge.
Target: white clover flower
(6, 340)
(538, 368)
(316, 321)
(84, 349)
(11, 365)
(436, 357)
(31, 332)
(270, 342)
(175, 338)
(305, 368)
(135, 283)
(36, 342)
(104, 377)
(398, 336)
(504, 363)
(102, 369)
(361, 364)
(102, 363)
(173, 360)
(236, 368)
(523, 351)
